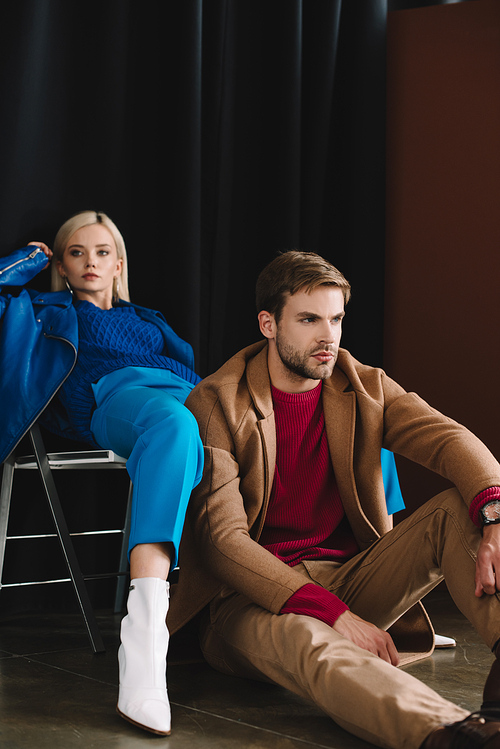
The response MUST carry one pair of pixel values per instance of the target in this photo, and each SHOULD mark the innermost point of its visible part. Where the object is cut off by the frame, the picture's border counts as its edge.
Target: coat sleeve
(417, 431)
(21, 266)
(223, 519)
(18, 268)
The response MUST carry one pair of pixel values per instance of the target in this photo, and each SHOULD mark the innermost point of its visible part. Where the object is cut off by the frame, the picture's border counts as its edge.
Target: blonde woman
(120, 376)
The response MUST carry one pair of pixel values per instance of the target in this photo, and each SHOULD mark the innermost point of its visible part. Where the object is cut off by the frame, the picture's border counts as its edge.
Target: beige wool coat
(364, 411)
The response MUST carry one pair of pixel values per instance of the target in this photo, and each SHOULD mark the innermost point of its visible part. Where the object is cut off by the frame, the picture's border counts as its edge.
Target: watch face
(492, 511)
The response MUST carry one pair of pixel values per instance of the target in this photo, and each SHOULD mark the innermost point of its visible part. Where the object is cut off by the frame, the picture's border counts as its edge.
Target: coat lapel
(259, 387)
(339, 406)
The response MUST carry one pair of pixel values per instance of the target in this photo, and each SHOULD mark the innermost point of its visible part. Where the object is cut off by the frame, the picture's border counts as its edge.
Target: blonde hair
(78, 221)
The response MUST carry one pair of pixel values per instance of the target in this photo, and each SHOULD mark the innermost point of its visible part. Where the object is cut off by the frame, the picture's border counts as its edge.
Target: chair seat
(80, 459)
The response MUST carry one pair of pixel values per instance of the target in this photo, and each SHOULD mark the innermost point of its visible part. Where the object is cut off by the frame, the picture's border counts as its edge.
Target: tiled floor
(55, 694)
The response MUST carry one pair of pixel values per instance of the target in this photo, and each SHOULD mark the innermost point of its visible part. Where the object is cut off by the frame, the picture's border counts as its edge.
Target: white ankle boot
(142, 697)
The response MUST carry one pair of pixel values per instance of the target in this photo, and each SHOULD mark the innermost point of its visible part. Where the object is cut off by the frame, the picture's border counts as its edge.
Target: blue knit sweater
(110, 340)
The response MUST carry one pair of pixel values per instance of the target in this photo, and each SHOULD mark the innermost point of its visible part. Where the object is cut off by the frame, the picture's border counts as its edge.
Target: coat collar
(259, 384)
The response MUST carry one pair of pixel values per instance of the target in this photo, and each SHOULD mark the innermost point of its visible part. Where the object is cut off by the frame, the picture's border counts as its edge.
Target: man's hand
(367, 636)
(488, 562)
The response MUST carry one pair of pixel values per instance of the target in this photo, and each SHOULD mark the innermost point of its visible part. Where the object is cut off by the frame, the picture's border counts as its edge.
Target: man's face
(307, 338)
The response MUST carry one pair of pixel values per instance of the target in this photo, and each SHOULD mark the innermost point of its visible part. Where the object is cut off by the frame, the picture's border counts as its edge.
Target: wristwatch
(490, 512)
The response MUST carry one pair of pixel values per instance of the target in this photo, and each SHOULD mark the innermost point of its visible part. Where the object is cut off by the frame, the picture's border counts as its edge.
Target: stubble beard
(296, 362)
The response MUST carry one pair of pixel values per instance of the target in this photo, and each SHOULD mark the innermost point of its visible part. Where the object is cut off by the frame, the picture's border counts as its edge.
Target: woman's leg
(160, 440)
(151, 560)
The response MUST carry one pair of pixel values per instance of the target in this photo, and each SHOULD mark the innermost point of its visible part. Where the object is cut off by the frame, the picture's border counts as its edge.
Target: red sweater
(305, 518)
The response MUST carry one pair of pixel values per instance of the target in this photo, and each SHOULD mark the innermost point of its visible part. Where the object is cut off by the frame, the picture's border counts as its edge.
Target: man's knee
(452, 502)
(454, 520)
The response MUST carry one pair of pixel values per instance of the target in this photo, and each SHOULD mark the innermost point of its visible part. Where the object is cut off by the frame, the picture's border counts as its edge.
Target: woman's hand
(43, 247)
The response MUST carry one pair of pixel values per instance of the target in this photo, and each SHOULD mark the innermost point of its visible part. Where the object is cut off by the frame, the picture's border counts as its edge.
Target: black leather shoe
(481, 729)
(491, 692)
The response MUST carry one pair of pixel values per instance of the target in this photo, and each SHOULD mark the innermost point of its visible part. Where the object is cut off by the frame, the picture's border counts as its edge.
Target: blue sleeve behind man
(393, 496)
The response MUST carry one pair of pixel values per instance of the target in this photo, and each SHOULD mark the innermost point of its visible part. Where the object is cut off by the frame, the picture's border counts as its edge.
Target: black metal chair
(46, 464)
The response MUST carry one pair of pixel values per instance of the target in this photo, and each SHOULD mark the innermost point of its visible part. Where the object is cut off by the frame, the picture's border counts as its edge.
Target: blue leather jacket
(38, 348)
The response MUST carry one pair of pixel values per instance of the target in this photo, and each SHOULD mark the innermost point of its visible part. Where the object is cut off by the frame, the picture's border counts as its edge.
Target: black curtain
(214, 133)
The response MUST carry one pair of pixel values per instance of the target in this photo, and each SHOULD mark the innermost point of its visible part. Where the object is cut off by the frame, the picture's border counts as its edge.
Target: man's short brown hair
(295, 271)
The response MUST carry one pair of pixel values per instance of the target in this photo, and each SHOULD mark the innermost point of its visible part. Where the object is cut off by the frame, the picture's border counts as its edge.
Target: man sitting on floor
(289, 540)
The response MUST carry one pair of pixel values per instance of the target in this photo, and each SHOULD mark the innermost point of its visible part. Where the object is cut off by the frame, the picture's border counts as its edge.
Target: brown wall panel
(442, 317)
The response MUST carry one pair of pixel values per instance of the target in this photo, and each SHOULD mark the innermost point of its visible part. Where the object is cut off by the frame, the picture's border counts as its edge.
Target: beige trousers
(363, 694)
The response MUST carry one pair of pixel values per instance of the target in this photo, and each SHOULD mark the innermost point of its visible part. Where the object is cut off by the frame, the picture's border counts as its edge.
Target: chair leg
(5, 495)
(121, 583)
(65, 540)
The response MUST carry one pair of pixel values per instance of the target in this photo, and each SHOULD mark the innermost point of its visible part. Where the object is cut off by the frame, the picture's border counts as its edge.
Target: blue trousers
(151, 427)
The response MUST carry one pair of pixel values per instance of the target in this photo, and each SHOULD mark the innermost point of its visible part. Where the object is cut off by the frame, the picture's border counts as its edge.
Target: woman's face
(90, 263)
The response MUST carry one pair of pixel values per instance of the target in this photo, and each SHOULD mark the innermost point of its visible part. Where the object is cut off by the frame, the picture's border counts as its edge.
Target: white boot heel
(142, 696)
